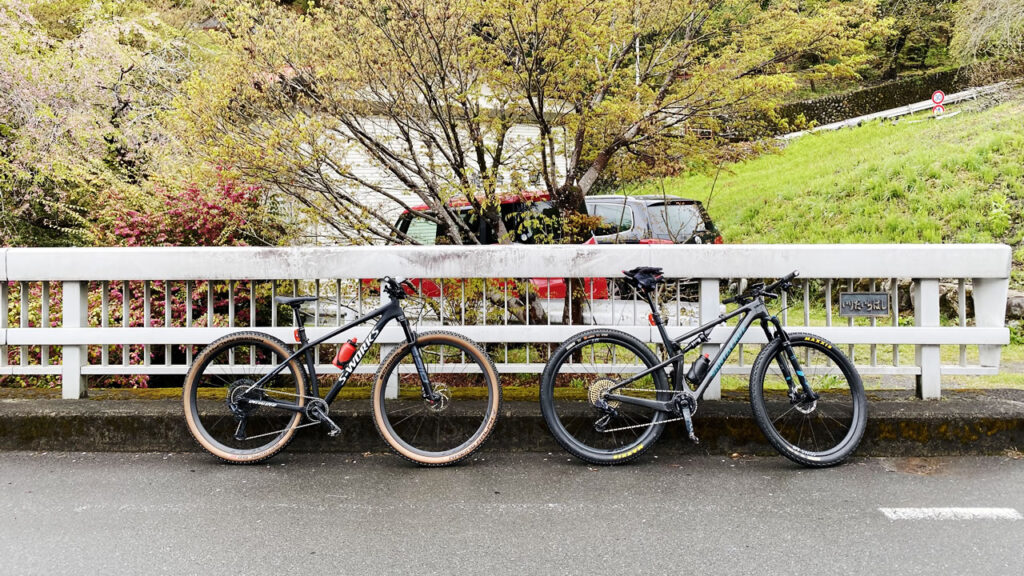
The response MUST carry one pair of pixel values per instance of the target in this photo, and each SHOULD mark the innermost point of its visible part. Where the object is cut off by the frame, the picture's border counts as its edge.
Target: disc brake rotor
(806, 408)
(443, 394)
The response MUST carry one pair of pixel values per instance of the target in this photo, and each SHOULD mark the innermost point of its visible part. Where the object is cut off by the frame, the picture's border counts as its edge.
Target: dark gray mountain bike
(606, 397)
(435, 398)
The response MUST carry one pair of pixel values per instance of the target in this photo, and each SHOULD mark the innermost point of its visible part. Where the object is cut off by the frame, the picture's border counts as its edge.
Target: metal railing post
(76, 315)
(4, 310)
(710, 308)
(926, 314)
(4, 307)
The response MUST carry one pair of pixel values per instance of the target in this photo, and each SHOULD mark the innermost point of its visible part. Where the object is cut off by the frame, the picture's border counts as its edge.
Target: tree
(919, 28)
(459, 100)
(990, 33)
(82, 88)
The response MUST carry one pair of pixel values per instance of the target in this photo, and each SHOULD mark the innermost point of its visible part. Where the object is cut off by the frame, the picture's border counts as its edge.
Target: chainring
(314, 405)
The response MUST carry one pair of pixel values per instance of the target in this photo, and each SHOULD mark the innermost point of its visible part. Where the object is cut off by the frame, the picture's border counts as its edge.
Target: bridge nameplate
(863, 304)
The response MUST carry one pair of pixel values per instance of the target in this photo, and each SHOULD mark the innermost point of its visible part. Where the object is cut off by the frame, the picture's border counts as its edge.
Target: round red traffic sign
(938, 96)
(938, 109)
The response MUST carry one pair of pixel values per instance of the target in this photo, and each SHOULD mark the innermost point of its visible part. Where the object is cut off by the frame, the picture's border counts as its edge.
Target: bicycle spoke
(826, 428)
(577, 384)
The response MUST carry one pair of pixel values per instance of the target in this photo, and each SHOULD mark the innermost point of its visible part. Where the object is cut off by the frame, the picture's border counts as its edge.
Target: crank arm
(689, 425)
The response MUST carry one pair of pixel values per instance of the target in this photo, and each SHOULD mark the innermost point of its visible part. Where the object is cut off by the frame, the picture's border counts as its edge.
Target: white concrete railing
(88, 281)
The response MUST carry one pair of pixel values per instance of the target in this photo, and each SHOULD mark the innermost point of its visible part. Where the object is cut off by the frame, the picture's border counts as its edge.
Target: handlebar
(783, 282)
(394, 286)
(760, 290)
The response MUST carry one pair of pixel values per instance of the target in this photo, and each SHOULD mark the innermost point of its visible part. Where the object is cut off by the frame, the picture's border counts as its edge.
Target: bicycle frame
(751, 311)
(388, 312)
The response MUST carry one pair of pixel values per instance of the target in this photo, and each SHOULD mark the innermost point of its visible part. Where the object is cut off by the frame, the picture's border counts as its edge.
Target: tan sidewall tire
(279, 348)
(378, 395)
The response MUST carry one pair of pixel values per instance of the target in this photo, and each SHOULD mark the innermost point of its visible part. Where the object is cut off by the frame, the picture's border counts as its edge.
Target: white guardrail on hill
(969, 94)
(183, 298)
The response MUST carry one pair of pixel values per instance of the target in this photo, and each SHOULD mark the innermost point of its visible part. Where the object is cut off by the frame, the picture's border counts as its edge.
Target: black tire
(218, 371)
(817, 433)
(578, 371)
(437, 435)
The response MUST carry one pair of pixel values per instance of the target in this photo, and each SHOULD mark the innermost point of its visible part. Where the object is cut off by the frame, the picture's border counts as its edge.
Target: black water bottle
(698, 370)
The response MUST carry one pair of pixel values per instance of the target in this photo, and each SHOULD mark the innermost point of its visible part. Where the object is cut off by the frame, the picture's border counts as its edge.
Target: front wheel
(454, 424)
(814, 432)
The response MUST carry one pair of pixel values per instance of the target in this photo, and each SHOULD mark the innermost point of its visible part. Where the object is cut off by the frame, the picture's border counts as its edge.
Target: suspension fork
(787, 353)
(417, 358)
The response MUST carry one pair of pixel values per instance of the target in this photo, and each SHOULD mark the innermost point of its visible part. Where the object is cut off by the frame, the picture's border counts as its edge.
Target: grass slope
(959, 179)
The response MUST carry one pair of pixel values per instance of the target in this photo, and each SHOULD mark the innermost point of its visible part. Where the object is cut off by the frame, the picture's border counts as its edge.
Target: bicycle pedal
(334, 428)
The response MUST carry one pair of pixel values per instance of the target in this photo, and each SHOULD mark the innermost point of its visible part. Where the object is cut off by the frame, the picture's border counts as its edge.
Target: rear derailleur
(609, 413)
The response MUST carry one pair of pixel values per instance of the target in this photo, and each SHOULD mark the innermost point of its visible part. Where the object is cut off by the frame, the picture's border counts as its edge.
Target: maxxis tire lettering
(583, 452)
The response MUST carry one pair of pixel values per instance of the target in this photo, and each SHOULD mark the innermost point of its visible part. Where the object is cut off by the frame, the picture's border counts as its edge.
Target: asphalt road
(524, 513)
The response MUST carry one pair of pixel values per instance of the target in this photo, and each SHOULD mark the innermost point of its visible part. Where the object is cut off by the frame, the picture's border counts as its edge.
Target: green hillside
(959, 179)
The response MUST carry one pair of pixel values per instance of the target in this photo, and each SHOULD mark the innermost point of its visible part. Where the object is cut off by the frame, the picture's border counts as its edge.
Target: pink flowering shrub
(225, 212)
(222, 212)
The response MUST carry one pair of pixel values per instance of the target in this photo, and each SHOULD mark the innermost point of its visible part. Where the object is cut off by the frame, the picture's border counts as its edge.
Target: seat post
(300, 326)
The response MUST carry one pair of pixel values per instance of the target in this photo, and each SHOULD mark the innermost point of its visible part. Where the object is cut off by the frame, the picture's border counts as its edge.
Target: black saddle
(644, 277)
(294, 301)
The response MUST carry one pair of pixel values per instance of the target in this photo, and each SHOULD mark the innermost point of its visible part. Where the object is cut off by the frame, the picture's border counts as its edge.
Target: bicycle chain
(649, 424)
(281, 430)
(308, 424)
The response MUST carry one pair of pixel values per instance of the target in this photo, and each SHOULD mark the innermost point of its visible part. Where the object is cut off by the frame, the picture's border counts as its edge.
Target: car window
(675, 222)
(532, 222)
(615, 218)
(423, 231)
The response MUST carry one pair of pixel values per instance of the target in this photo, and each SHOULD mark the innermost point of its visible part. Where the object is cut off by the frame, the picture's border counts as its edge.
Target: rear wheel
(813, 432)
(220, 385)
(580, 371)
(458, 421)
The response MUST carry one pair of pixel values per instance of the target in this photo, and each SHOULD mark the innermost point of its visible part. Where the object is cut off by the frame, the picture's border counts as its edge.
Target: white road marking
(951, 513)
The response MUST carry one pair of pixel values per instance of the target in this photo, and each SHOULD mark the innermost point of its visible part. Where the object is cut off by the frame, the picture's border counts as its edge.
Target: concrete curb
(962, 423)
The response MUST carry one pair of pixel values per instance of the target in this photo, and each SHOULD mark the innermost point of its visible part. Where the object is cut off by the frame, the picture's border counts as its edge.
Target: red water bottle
(345, 354)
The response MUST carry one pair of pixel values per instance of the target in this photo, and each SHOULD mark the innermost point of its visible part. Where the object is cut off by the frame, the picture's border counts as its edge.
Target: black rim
(589, 368)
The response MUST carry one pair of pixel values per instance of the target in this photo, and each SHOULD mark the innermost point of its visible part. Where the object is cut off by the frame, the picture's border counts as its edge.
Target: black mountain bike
(606, 397)
(435, 398)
